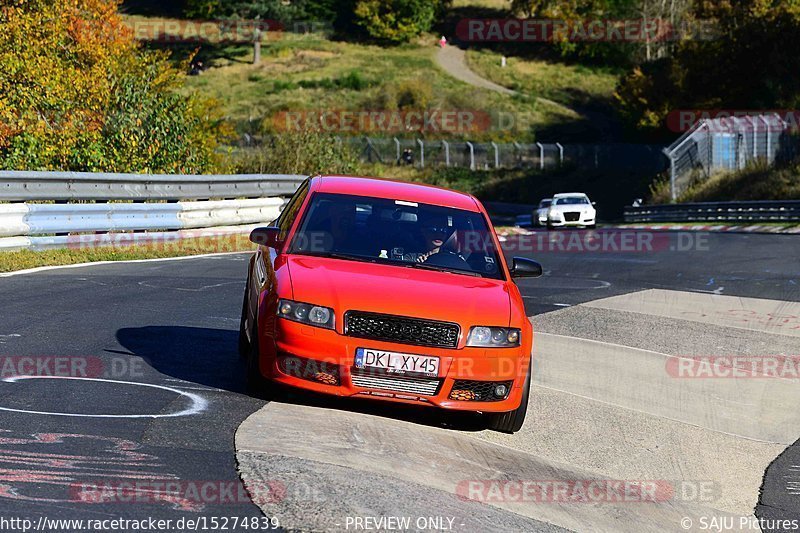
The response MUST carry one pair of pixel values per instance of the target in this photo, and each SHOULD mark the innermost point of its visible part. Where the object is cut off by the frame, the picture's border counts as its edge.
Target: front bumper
(588, 220)
(311, 353)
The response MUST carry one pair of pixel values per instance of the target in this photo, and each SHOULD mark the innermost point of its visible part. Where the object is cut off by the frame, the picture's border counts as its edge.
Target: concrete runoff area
(606, 404)
(650, 382)
(367, 450)
(767, 316)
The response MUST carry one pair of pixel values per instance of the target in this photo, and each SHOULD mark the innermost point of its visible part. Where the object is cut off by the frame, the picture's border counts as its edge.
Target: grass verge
(25, 259)
(757, 182)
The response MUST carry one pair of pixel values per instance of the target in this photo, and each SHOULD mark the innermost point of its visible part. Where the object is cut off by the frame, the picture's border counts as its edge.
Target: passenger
(344, 236)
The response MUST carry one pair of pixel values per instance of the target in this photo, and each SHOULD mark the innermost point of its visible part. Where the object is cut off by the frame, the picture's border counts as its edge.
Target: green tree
(396, 21)
(748, 62)
(276, 10)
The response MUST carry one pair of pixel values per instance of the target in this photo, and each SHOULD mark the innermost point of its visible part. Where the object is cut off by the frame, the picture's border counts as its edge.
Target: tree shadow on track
(209, 357)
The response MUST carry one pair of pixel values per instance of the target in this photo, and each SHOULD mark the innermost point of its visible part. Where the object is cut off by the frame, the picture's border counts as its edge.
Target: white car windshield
(571, 200)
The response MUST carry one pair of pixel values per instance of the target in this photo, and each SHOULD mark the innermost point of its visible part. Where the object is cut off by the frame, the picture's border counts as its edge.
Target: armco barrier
(755, 211)
(38, 219)
(24, 186)
(109, 209)
(162, 239)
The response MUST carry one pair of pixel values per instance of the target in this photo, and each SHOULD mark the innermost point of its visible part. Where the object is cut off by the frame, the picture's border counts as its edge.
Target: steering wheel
(448, 259)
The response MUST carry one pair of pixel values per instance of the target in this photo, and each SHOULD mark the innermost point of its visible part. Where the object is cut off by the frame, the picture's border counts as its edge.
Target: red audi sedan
(390, 291)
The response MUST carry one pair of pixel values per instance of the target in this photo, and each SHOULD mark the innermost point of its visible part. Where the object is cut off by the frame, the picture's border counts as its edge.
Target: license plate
(397, 363)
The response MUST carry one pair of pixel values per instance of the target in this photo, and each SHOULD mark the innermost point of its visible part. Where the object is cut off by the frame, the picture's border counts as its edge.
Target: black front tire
(257, 385)
(244, 342)
(511, 421)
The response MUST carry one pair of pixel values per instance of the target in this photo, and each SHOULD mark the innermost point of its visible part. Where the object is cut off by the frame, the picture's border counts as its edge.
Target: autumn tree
(77, 93)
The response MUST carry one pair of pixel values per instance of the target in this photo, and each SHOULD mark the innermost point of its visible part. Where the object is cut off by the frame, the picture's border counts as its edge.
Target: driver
(435, 231)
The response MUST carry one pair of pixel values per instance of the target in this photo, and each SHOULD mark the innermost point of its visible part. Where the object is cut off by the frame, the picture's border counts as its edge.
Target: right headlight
(313, 315)
(492, 337)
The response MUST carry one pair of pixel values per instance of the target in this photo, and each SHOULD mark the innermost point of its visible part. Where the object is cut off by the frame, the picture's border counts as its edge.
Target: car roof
(566, 194)
(395, 190)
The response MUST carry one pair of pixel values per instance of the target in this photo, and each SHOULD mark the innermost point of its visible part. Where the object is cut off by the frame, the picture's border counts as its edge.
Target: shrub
(396, 21)
(307, 152)
(278, 10)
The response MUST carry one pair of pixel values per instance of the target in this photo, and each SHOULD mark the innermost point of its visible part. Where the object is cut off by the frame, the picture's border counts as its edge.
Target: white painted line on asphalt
(199, 404)
(186, 289)
(127, 261)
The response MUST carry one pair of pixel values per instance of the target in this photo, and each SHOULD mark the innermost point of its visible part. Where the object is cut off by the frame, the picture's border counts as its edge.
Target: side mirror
(525, 268)
(594, 204)
(268, 236)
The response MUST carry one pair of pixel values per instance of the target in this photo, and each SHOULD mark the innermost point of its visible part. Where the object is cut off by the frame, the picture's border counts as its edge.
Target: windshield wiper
(337, 255)
(384, 261)
(423, 266)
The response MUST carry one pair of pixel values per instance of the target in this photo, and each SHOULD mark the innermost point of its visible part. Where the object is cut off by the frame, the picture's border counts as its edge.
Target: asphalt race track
(165, 396)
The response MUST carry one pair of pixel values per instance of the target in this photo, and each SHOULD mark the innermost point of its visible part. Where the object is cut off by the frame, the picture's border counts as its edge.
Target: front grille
(477, 391)
(401, 329)
(422, 386)
(572, 217)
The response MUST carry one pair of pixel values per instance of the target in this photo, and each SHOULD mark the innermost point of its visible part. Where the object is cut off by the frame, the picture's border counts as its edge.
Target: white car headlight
(313, 315)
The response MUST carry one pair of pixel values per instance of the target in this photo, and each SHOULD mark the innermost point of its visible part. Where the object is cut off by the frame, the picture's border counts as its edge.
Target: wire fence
(727, 144)
(646, 158)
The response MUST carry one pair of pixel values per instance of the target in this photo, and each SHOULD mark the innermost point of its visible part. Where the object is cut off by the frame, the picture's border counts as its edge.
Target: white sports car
(571, 209)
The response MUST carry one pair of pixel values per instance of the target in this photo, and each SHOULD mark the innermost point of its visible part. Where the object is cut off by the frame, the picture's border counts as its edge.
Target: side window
(289, 213)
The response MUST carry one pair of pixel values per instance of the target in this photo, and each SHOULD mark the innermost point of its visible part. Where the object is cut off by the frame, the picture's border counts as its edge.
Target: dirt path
(452, 59)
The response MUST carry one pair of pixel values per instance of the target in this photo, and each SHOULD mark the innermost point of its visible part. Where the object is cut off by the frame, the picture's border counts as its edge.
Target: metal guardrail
(40, 219)
(68, 224)
(754, 211)
(109, 209)
(24, 186)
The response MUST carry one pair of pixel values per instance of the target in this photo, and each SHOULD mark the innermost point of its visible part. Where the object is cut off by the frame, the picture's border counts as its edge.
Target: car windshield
(571, 200)
(397, 232)
(545, 203)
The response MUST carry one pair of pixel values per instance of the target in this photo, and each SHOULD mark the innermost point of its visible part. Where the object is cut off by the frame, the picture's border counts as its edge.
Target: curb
(718, 228)
(715, 228)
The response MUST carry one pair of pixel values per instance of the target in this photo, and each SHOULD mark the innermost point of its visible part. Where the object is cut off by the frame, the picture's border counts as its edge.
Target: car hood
(350, 285)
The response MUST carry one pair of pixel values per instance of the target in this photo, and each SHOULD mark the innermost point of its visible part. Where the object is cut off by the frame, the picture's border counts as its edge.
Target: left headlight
(313, 315)
(489, 337)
